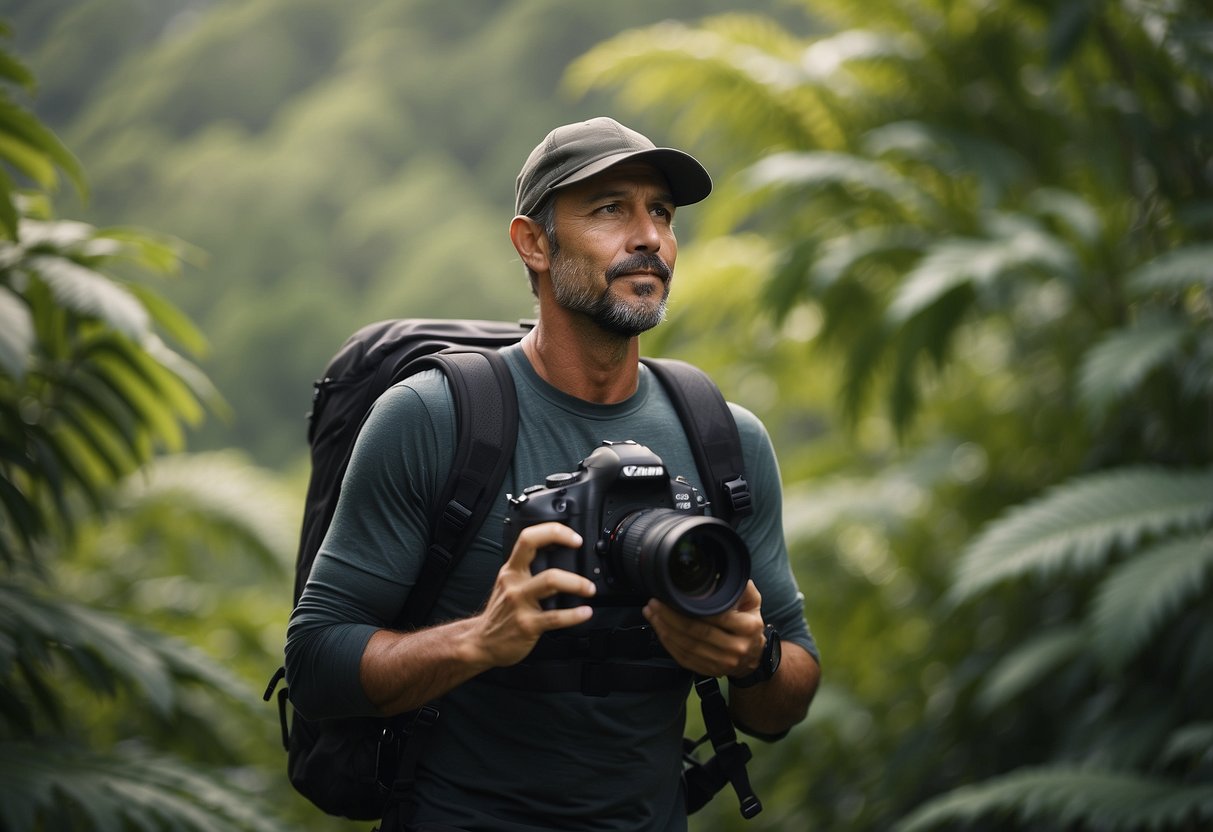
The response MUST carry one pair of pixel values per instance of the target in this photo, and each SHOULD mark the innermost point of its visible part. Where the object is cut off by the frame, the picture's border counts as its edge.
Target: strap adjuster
(738, 491)
(456, 515)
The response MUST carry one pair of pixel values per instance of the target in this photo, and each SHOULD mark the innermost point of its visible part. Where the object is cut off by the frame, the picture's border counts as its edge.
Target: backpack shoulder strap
(712, 432)
(486, 417)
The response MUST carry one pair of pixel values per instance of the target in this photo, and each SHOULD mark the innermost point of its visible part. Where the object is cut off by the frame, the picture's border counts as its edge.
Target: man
(595, 205)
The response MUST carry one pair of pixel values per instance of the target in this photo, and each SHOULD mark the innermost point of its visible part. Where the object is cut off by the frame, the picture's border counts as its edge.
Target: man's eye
(612, 208)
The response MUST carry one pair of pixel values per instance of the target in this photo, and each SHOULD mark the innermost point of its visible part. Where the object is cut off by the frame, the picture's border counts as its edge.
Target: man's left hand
(728, 644)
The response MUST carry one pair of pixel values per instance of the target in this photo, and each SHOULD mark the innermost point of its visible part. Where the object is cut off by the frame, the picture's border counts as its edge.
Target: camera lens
(695, 564)
(698, 565)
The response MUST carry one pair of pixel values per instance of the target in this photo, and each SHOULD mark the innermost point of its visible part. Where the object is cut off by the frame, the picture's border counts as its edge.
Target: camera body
(644, 534)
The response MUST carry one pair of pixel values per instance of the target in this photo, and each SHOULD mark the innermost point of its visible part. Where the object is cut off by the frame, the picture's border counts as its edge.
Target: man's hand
(404, 670)
(728, 644)
(513, 620)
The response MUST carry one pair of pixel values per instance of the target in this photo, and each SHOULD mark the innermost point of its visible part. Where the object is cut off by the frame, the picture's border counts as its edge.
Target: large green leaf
(224, 492)
(819, 170)
(1017, 247)
(16, 334)
(23, 127)
(1116, 365)
(1080, 524)
(1178, 269)
(1030, 665)
(1069, 798)
(53, 785)
(89, 293)
(81, 635)
(1138, 597)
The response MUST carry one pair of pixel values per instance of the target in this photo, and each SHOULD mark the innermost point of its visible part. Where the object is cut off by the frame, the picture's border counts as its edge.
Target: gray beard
(604, 308)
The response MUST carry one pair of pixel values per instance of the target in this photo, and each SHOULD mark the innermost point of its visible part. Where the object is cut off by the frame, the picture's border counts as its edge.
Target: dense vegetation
(960, 259)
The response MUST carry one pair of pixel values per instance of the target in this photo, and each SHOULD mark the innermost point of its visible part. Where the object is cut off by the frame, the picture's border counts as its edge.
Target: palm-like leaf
(27, 146)
(1030, 665)
(1120, 362)
(16, 334)
(222, 493)
(52, 785)
(742, 72)
(1015, 248)
(854, 175)
(1071, 798)
(1080, 524)
(89, 390)
(103, 651)
(1136, 599)
(1176, 270)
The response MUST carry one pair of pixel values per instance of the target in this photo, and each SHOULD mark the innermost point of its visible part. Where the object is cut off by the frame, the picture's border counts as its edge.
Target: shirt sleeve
(782, 600)
(372, 553)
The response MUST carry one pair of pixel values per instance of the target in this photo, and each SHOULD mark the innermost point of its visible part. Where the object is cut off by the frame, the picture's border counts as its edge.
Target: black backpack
(354, 767)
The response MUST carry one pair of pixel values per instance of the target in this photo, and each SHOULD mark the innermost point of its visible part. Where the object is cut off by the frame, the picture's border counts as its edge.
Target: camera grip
(557, 557)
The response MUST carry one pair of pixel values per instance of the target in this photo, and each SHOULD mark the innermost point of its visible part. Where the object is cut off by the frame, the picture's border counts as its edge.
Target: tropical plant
(104, 723)
(997, 215)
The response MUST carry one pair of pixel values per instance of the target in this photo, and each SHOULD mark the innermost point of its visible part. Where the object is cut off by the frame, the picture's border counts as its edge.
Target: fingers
(750, 599)
(533, 538)
(718, 645)
(513, 618)
(549, 582)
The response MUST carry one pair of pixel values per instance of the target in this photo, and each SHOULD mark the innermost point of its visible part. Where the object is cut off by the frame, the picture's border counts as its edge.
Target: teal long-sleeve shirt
(501, 758)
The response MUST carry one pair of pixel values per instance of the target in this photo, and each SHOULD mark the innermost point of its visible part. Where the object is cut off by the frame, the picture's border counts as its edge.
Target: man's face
(614, 259)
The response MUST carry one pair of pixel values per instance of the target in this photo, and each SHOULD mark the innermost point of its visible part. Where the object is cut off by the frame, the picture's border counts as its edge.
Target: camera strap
(703, 780)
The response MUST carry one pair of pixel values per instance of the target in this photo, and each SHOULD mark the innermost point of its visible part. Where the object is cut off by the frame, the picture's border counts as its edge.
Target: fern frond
(1069, 209)
(224, 492)
(56, 786)
(1030, 664)
(102, 650)
(16, 335)
(839, 256)
(816, 171)
(1136, 599)
(1175, 270)
(1017, 246)
(950, 152)
(1078, 524)
(90, 294)
(722, 77)
(1191, 742)
(1064, 797)
(1116, 365)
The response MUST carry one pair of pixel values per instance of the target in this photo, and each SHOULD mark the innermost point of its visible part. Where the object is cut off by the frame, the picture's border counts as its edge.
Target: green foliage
(335, 167)
(49, 785)
(996, 215)
(27, 148)
(1079, 526)
(90, 390)
(957, 259)
(1071, 798)
(90, 393)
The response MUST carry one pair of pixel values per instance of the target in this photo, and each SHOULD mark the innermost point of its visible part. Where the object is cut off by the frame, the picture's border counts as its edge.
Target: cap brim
(688, 180)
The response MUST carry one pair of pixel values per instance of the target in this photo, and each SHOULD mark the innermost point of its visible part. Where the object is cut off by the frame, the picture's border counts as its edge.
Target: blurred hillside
(330, 168)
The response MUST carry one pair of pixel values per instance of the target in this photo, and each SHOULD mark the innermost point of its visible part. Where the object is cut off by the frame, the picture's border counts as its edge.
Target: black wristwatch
(767, 665)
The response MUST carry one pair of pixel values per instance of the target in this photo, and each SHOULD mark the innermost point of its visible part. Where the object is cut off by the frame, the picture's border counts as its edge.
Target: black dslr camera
(645, 534)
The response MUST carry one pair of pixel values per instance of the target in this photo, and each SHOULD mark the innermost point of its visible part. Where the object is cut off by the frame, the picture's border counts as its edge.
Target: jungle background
(959, 259)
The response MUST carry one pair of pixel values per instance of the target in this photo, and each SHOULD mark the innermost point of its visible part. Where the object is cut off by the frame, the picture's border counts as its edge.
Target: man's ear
(530, 242)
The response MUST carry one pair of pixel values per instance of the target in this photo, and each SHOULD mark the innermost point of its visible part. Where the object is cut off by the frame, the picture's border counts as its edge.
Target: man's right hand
(513, 619)
(404, 670)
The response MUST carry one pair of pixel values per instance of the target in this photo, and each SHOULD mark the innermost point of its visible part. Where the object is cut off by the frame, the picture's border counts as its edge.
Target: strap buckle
(738, 492)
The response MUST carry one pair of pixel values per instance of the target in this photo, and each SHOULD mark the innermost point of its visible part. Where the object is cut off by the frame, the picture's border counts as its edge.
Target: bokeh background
(959, 259)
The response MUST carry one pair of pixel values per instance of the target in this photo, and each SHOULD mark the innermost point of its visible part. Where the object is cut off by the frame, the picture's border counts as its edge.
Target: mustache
(640, 262)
